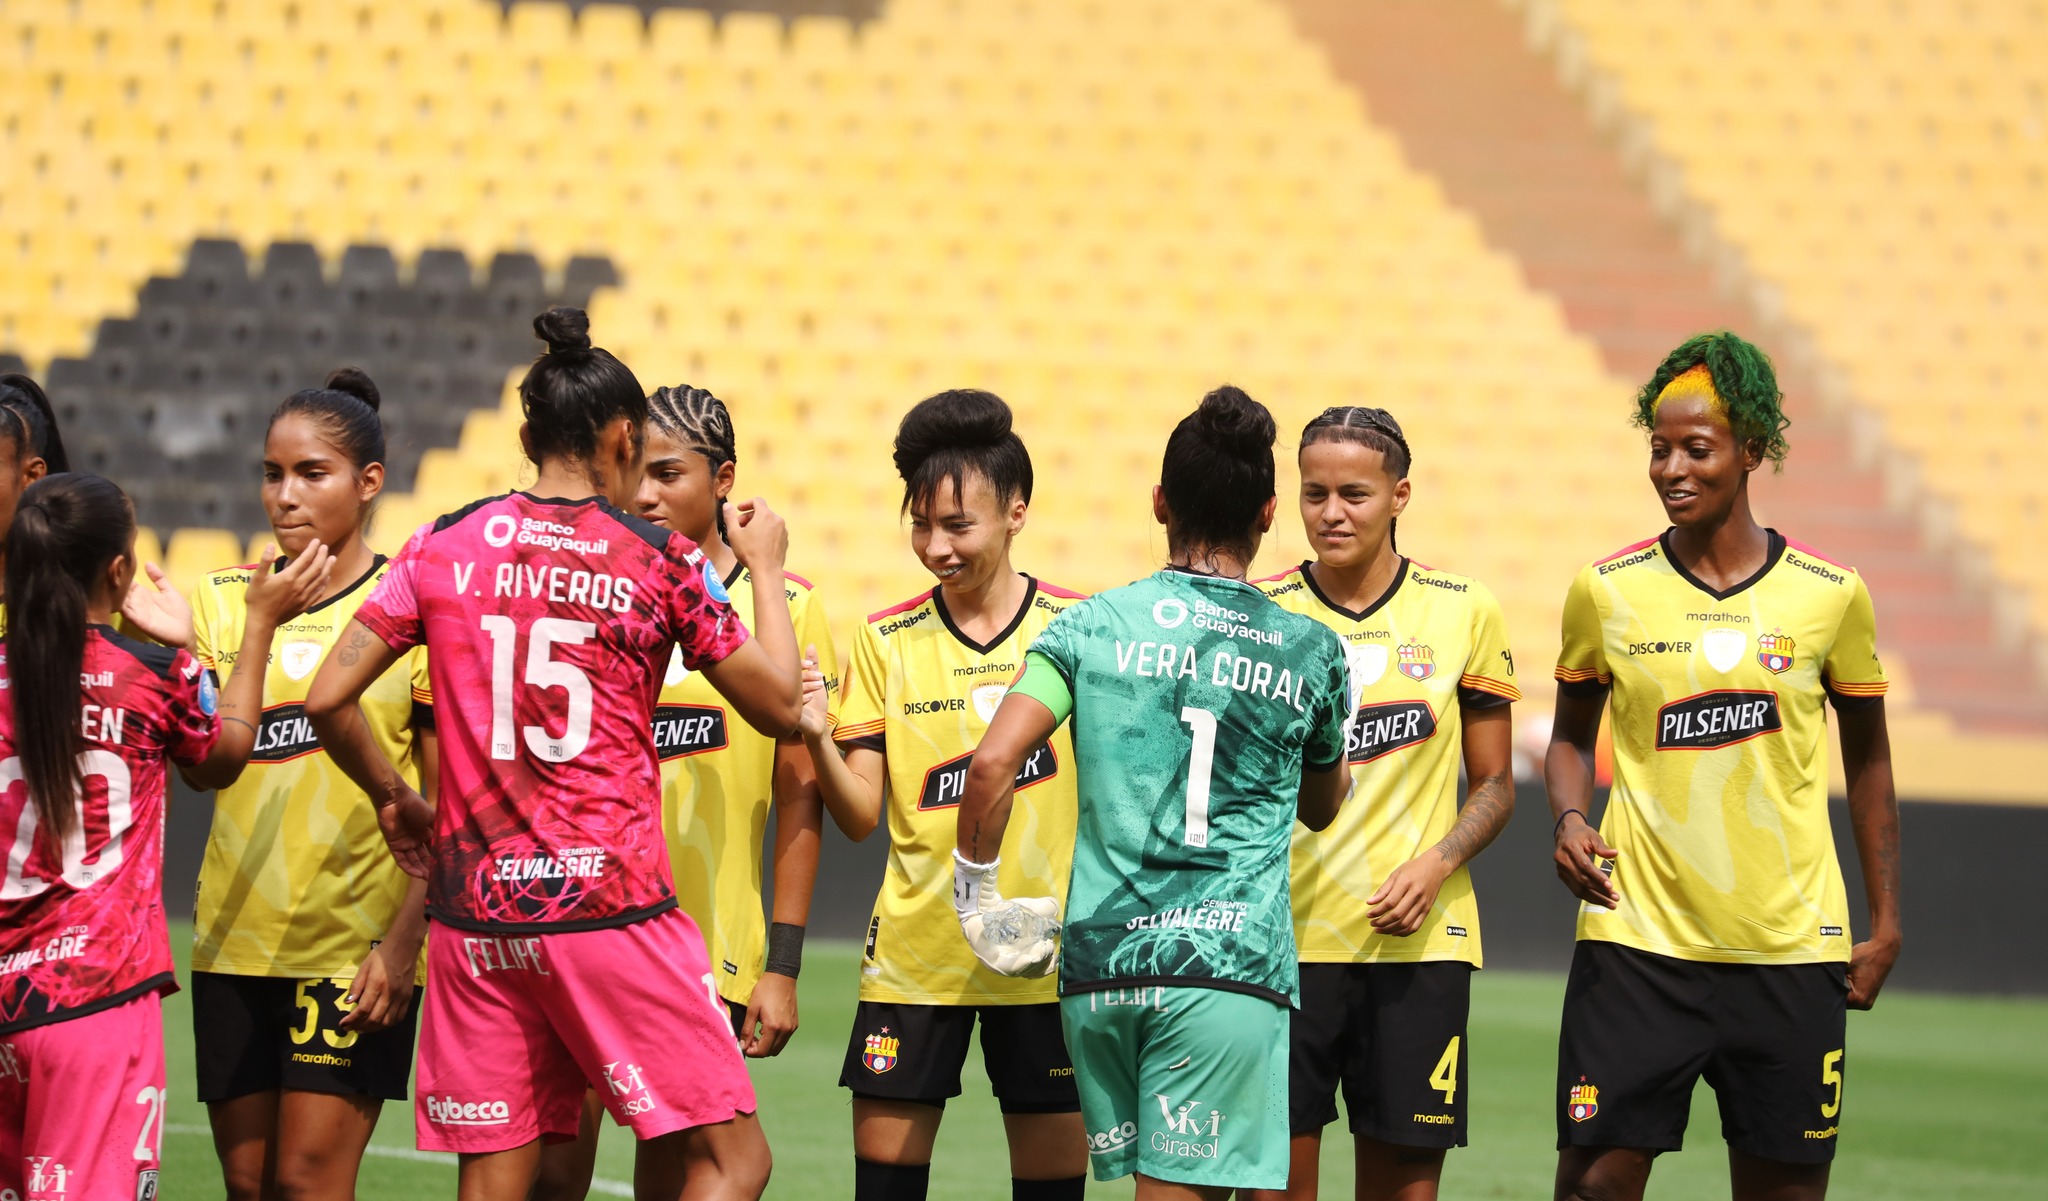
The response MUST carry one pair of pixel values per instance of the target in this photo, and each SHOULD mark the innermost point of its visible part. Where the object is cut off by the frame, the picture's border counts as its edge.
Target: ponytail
(66, 530)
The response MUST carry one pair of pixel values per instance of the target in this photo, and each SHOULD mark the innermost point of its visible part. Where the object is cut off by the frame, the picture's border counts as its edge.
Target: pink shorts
(517, 1026)
(82, 1105)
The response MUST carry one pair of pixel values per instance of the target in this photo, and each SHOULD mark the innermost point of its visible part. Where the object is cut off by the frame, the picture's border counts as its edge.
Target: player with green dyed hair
(1206, 718)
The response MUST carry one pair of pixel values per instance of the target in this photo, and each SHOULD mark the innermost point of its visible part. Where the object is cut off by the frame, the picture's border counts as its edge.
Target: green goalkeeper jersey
(1196, 703)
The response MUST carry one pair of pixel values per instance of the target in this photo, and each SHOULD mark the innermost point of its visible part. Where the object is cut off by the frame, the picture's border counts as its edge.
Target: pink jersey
(84, 930)
(548, 626)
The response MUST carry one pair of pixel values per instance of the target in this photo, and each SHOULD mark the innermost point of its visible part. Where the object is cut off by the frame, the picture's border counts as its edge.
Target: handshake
(1015, 938)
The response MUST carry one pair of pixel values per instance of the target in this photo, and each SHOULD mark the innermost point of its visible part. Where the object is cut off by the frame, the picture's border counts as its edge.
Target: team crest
(1584, 1102)
(1368, 663)
(1774, 651)
(880, 1054)
(1418, 662)
(677, 672)
(988, 698)
(299, 659)
(1723, 648)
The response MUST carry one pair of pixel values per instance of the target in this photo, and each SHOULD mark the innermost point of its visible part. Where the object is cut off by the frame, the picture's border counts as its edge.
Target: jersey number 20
(110, 769)
(541, 672)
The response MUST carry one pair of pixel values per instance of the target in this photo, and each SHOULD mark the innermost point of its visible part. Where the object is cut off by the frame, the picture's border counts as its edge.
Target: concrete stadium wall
(1976, 893)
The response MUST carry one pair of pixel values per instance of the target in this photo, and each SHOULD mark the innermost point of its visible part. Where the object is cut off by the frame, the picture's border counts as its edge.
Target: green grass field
(1947, 1097)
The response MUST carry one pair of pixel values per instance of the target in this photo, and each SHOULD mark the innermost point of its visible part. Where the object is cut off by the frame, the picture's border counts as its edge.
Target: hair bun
(1232, 420)
(563, 328)
(356, 382)
(960, 419)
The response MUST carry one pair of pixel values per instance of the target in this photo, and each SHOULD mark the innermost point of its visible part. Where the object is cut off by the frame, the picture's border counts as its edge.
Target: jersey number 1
(541, 672)
(1201, 763)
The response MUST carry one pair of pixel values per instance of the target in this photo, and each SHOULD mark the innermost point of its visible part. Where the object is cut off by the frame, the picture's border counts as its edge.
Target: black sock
(1069, 1189)
(890, 1181)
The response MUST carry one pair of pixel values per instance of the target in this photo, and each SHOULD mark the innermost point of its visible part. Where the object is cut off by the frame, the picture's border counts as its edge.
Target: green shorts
(1187, 1085)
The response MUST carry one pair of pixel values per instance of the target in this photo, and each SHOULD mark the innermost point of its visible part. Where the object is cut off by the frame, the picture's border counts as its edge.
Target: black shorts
(738, 1013)
(1640, 1030)
(1392, 1036)
(915, 1053)
(253, 1034)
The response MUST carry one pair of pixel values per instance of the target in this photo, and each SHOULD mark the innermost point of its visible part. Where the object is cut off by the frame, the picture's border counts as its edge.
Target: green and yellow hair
(1737, 381)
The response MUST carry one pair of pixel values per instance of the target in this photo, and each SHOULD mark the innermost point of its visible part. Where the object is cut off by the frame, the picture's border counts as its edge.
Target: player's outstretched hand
(758, 538)
(1579, 856)
(275, 597)
(408, 826)
(771, 1016)
(1404, 898)
(1869, 963)
(381, 993)
(161, 613)
(811, 722)
(1013, 937)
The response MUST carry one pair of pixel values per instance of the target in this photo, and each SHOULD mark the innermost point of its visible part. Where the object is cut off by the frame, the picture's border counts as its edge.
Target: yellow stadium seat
(193, 552)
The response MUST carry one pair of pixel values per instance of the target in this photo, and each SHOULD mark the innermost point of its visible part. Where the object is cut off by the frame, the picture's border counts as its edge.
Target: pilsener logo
(447, 1111)
(1717, 719)
(681, 730)
(945, 784)
(284, 735)
(1380, 730)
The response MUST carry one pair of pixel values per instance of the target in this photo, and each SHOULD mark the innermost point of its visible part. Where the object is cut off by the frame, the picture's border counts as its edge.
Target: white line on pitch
(598, 1184)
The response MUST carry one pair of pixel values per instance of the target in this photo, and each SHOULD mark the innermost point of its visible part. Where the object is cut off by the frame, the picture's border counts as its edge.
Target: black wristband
(1560, 819)
(785, 949)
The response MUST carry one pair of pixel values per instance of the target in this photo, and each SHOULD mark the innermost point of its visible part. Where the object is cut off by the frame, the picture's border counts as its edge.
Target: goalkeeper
(1201, 711)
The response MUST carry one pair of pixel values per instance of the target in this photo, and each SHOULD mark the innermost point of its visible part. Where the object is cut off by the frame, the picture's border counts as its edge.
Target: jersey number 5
(108, 768)
(541, 672)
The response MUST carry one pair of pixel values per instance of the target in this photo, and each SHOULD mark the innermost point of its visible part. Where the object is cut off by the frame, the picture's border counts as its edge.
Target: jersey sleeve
(1329, 722)
(813, 630)
(206, 624)
(1488, 681)
(1058, 644)
(1852, 674)
(861, 717)
(422, 690)
(1582, 663)
(393, 610)
(700, 616)
(192, 711)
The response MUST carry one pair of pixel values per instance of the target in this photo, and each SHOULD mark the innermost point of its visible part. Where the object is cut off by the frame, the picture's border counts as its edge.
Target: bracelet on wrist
(1560, 820)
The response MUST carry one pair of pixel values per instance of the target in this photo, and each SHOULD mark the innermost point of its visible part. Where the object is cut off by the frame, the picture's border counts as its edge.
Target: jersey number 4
(108, 768)
(541, 672)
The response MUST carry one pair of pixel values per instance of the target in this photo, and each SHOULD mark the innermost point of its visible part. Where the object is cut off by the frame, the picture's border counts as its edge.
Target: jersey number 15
(541, 672)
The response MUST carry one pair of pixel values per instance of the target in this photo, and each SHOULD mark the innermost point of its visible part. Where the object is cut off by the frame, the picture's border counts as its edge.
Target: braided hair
(1737, 381)
(700, 421)
(1375, 429)
(31, 422)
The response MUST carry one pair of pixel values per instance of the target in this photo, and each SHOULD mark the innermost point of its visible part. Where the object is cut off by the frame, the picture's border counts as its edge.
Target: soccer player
(88, 721)
(1384, 917)
(925, 680)
(1206, 718)
(1714, 935)
(718, 775)
(563, 963)
(306, 942)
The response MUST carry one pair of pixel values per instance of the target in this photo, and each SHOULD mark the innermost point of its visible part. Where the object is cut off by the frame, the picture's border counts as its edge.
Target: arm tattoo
(351, 652)
(1484, 815)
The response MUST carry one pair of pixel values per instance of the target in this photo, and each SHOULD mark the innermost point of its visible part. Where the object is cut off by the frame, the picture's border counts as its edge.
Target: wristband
(785, 949)
(1560, 820)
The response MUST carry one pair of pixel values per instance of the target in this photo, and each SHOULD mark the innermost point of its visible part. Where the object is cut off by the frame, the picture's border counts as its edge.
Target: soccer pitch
(1947, 1097)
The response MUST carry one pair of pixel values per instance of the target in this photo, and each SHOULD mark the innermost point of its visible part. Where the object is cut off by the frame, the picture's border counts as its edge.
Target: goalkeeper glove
(1015, 938)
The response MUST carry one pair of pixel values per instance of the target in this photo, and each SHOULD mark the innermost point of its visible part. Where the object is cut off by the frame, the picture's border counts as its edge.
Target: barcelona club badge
(1774, 651)
(1584, 1103)
(1418, 662)
(880, 1054)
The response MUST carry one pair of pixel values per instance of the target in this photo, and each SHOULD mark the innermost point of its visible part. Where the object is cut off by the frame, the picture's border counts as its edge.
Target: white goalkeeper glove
(1015, 938)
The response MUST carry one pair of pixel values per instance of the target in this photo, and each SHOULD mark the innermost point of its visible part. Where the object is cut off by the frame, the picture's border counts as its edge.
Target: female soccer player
(307, 937)
(718, 775)
(1205, 719)
(1384, 918)
(89, 719)
(548, 618)
(926, 677)
(1714, 938)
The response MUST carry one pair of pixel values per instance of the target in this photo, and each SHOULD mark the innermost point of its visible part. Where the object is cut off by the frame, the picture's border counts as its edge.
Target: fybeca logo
(880, 1053)
(1774, 651)
(449, 1112)
(1169, 613)
(299, 659)
(1583, 1103)
(1418, 662)
(1367, 663)
(1723, 648)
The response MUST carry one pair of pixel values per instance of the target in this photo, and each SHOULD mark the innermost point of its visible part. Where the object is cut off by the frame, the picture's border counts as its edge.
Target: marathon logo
(1380, 730)
(1717, 719)
(945, 784)
(681, 730)
(285, 735)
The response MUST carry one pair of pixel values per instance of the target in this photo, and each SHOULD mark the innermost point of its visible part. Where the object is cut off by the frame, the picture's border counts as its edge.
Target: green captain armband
(1042, 682)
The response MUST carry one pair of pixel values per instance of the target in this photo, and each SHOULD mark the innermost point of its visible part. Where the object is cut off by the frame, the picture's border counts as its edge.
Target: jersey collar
(980, 648)
(1308, 577)
(1771, 557)
(377, 563)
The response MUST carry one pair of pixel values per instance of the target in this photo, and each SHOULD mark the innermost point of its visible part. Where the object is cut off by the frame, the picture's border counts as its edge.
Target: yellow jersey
(922, 693)
(717, 780)
(1720, 801)
(1406, 744)
(297, 880)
